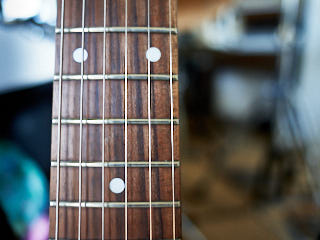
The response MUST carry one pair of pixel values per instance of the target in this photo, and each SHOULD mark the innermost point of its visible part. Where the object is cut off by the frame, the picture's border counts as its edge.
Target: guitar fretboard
(115, 123)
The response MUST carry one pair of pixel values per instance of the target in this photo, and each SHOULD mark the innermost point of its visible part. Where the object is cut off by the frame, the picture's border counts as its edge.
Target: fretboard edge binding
(115, 121)
(118, 30)
(115, 204)
(160, 77)
(114, 164)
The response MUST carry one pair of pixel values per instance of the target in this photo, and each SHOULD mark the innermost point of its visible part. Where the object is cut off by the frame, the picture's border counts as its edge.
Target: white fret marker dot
(117, 185)
(153, 54)
(77, 55)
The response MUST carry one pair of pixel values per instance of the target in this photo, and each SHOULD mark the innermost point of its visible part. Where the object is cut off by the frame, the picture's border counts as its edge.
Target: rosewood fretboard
(80, 116)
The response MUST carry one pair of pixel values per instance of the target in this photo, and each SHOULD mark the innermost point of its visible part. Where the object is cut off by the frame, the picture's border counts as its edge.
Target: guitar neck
(115, 130)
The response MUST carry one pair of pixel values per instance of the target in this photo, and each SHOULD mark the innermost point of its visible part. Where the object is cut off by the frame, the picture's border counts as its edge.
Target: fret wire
(103, 115)
(115, 121)
(81, 116)
(119, 30)
(59, 122)
(140, 77)
(172, 129)
(126, 120)
(162, 204)
(149, 128)
(135, 164)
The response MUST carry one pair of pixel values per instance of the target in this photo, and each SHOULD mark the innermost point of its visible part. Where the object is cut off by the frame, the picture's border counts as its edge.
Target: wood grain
(138, 182)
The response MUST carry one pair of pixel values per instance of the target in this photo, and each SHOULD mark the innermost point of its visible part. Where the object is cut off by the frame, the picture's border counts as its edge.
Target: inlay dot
(77, 55)
(117, 185)
(153, 54)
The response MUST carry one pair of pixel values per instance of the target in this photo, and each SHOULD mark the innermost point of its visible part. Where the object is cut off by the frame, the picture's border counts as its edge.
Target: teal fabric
(23, 188)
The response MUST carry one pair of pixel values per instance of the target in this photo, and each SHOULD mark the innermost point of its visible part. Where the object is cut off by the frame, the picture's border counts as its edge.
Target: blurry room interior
(250, 121)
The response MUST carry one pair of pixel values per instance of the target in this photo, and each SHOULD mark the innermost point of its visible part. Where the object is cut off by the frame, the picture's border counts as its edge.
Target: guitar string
(149, 128)
(126, 120)
(59, 121)
(172, 130)
(103, 115)
(149, 100)
(81, 117)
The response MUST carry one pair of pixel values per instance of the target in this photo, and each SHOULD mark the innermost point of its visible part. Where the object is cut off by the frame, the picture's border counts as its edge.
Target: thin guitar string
(171, 130)
(103, 115)
(81, 117)
(126, 119)
(149, 129)
(59, 121)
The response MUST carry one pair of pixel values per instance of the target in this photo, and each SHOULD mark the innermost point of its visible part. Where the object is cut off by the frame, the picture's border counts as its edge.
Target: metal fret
(115, 204)
(119, 30)
(115, 121)
(115, 164)
(160, 77)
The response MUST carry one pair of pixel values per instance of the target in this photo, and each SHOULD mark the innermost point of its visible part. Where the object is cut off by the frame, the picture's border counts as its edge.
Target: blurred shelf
(247, 28)
(261, 43)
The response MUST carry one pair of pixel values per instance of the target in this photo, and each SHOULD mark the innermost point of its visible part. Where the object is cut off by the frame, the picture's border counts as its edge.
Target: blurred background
(250, 118)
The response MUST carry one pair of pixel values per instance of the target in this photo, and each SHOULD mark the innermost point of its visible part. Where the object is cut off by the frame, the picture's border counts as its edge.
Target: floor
(219, 170)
